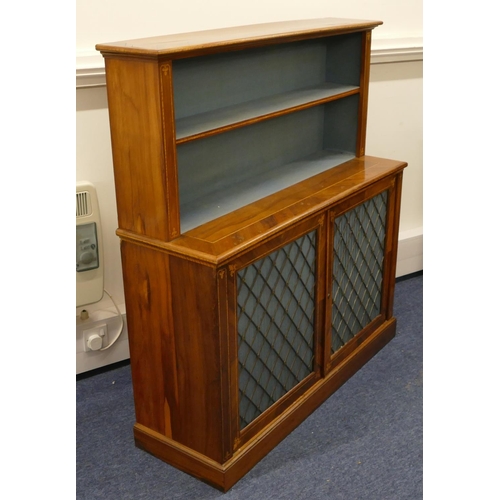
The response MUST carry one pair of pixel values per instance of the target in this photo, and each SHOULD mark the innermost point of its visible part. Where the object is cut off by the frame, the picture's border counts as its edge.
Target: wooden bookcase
(258, 241)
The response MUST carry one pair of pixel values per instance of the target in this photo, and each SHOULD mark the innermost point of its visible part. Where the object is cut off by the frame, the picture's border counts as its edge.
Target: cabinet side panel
(133, 87)
(147, 295)
(198, 421)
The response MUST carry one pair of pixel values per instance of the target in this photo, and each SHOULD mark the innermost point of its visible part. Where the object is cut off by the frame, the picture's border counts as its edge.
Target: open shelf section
(230, 195)
(218, 92)
(217, 121)
(221, 173)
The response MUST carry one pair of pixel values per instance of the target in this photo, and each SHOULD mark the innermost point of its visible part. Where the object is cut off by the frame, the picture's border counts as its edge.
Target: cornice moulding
(90, 70)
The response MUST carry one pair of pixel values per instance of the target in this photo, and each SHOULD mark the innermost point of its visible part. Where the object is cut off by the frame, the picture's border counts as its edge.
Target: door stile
(320, 338)
(226, 309)
(327, 325)
(392, 237)
(232, 345)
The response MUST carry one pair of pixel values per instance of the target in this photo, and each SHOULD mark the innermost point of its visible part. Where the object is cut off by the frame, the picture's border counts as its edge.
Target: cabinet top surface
(218, 241)
(184, 43)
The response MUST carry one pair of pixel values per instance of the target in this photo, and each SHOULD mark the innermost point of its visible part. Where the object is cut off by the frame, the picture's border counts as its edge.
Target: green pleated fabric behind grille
(275, 325)
(359, 240)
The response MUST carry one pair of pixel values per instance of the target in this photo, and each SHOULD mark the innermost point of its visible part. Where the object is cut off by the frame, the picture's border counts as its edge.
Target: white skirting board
(410, 260)
(410, 252)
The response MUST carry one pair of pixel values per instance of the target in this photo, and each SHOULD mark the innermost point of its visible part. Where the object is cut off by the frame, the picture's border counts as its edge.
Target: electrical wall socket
(93, 335)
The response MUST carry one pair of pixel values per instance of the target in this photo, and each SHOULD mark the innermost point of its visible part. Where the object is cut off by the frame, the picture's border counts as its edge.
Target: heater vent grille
(83, 204)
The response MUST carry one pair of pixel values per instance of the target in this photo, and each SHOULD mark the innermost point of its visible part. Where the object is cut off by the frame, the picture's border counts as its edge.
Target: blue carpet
(364, 442)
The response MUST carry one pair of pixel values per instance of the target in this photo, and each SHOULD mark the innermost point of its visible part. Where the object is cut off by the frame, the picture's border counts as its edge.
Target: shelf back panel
(203, 84)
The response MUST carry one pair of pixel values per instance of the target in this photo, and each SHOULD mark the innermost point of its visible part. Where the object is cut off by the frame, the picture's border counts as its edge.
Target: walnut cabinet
(258, 240)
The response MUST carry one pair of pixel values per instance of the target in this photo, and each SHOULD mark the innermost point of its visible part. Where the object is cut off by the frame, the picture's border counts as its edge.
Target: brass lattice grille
(359, 238)
(275, 325)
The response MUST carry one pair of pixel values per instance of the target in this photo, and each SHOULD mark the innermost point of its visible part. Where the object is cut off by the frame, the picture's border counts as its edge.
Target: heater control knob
(87, 257)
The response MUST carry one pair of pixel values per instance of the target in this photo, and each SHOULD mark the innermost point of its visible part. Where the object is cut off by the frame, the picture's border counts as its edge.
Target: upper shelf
(220, 92)
(212, 122)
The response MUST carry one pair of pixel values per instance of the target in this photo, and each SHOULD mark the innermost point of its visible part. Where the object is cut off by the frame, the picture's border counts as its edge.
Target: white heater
(89, 264)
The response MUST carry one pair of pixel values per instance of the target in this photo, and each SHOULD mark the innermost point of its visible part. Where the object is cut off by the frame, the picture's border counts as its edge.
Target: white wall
(113, 20)
(394, 130)
(394, 119)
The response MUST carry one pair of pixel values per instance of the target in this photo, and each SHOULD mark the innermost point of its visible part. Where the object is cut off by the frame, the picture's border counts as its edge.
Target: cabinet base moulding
(225, 476)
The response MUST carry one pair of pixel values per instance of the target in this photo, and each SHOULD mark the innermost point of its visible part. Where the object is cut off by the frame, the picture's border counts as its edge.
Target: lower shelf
(229, 195)
(224, 476)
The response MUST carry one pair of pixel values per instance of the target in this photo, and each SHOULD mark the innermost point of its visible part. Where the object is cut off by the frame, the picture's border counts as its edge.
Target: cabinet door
(360, 267)
(278, 295)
